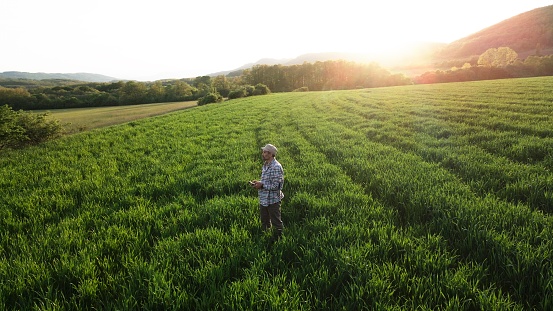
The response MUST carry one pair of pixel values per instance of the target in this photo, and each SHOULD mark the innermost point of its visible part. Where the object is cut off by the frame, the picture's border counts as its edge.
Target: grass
(417, 197)
(82, 119)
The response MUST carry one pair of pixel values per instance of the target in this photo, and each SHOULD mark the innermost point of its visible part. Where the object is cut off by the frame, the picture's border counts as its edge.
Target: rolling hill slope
(523, 33)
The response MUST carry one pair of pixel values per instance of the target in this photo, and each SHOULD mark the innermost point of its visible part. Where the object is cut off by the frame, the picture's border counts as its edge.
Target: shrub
(261, 89)
(21, 128)
(301, 89)
(224, 92)
(210, 98)
(249, 90)
(238, 93)
(10, 131)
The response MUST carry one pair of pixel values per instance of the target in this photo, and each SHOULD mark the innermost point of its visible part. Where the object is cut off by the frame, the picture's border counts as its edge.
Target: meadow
(77, 120)
(421, 197)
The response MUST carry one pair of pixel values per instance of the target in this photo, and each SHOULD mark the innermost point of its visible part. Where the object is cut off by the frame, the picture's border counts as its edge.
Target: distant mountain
(523, 33)
(407, 55)
(322, 57)
(86, 77)
(309, 58)
(238, 71)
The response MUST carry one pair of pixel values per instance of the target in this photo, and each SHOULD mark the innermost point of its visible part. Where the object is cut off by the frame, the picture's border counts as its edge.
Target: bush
(210, 98)
(20, 128)
(301, 89)
(238, 93)
(261, 89)
(10, 131)
(249, 90)
(224, 92)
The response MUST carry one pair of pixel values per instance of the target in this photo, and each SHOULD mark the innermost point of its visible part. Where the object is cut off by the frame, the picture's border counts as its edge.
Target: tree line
(495, 63)
(204, 89)
(98, 94)
(259, 80)
(322, 76)
(262, 79)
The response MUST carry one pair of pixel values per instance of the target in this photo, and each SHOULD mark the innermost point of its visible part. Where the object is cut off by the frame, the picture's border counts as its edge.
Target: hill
(82, 76)
(524, 33)
(238, 71)
(418, 53)
(527, 33)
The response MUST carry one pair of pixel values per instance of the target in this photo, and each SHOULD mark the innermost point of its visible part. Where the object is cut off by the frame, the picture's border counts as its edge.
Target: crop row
(513, 165)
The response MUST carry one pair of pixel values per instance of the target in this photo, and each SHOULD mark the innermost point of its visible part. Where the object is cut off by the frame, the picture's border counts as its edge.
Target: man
(269, 189)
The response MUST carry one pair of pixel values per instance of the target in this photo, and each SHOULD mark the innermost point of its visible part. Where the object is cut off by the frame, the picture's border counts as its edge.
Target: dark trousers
(270, 215)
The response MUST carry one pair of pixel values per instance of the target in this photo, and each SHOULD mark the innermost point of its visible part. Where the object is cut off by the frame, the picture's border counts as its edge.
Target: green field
(422, 197)
(83, 119)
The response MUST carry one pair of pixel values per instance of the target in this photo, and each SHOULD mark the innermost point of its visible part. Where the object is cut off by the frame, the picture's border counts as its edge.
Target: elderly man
(269, 189)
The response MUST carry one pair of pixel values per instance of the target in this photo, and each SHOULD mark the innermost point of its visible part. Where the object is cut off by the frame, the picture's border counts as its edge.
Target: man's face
(266, 155)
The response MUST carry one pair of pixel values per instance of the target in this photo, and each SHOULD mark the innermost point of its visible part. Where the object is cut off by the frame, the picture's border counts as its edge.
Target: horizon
(146, 41)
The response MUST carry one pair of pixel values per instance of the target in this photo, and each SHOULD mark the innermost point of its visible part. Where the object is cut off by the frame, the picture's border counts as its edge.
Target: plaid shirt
(272, 178)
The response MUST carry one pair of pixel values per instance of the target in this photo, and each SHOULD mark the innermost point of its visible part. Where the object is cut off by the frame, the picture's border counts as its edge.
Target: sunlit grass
(82, 119)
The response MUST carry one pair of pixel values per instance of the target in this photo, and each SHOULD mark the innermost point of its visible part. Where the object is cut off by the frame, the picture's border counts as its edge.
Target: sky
(164, 39)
